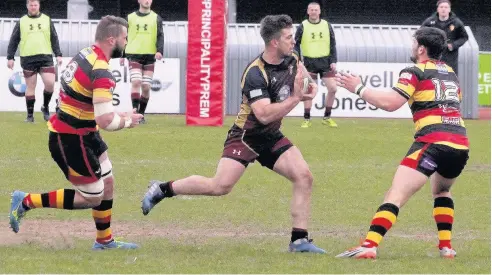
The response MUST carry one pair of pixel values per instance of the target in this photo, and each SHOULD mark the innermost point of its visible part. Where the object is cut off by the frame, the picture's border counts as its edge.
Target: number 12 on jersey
(446, 90)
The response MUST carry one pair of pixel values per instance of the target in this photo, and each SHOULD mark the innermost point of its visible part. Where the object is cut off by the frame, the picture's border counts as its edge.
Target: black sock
(143, 105)
(298, 233)
(47, 98)
(328, 112)
(30, 105)
(135, 100)
(307, 113)
(167, 189)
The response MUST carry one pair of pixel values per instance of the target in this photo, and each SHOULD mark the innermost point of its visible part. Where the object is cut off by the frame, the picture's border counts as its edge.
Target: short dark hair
(314, 3)
(110, 26)
(439, 2)
(272, 25)
(29, 1)
(433, 39)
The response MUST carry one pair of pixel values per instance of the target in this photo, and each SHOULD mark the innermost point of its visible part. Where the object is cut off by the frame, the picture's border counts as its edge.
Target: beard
(284, 55)
(117, 52)
(413, 57)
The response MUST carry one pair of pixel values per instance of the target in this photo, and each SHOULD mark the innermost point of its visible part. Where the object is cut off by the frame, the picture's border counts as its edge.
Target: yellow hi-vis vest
(142, 34)
(315, 41)
(35, 36)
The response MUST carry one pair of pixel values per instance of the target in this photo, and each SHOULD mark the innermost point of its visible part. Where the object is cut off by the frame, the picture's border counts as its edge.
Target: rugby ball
(305, 86)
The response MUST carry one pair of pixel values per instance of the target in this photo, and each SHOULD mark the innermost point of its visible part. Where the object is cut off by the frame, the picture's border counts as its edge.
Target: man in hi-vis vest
(145, 45)
(36, 37)
(315, 41)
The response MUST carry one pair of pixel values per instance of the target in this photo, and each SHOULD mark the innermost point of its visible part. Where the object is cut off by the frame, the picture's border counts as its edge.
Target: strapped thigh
(106, 169)
(135, 71)
(91, 190)
(147, 80)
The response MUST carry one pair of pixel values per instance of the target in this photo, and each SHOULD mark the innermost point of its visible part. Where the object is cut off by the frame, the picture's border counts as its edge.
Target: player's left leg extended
(331, 85)
(410, 176)
(286, 160)
(228, 173)
(102, 213)
(148, 74)
(79, 166)
(48, 77)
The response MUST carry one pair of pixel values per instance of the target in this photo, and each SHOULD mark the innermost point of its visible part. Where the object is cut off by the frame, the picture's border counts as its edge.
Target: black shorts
(143, 62)
(319, 66)
(34, 66)
(78, 156)
(428, 158)
(265, 148)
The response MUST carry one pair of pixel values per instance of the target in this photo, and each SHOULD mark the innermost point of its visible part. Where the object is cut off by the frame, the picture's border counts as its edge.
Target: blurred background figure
(454, 28)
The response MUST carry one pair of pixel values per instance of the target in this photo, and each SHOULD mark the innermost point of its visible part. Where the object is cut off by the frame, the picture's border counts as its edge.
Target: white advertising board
(164, 97)
(374, 75)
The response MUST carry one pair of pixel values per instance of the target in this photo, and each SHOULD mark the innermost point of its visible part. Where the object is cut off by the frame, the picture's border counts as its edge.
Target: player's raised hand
(300, 83)
(348, 81)
(312, 90)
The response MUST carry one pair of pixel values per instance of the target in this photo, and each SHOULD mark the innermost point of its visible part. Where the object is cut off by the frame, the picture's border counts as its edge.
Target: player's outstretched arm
(389, 100)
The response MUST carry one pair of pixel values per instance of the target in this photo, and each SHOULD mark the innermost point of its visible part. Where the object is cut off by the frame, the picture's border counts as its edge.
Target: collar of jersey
(99, 52)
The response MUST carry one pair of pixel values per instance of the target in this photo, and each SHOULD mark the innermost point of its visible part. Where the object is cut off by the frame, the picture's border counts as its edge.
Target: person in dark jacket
(454, 28)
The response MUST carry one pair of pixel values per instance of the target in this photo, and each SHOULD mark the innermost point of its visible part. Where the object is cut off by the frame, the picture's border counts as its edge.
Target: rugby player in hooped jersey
(440, 150)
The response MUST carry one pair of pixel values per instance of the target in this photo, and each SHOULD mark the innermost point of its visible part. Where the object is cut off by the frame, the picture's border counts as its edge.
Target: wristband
(360, 89)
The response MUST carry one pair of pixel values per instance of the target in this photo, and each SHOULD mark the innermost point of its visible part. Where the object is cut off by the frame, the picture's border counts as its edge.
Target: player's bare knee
(441, 190)
(136, 83)
(332, 89)
(304, 177)
(221, 188)
(146, 90)
(94, 201)
(31, 85)
(49, 84)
